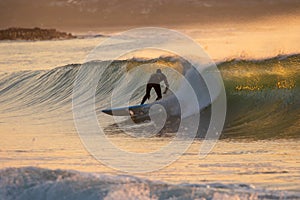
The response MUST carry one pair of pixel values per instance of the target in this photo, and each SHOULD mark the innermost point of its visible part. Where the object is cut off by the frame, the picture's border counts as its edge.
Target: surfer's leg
(147, 95)
(158, 91)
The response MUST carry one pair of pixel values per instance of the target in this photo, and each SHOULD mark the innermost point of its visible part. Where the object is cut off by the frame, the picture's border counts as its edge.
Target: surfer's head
(158, 71)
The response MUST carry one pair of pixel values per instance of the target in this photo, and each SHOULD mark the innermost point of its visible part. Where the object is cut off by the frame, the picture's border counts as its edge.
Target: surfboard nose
(107, 111)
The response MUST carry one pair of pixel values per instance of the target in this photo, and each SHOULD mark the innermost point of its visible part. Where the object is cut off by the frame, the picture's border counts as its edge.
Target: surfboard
(130, 110)
(140, 113)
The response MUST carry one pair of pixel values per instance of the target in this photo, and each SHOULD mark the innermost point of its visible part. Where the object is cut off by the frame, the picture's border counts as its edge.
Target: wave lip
(37, 183)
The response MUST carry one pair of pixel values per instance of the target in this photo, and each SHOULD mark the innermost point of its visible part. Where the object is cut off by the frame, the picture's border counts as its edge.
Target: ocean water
(42, 155)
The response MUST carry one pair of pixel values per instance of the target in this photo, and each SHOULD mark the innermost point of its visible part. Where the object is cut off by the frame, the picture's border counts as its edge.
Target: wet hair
(158, 71)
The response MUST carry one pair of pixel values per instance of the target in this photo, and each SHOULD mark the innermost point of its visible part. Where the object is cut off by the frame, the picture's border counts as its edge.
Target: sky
(91, 15)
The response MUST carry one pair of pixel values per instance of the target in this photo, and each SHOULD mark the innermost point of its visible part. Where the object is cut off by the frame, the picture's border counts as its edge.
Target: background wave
(37, 183)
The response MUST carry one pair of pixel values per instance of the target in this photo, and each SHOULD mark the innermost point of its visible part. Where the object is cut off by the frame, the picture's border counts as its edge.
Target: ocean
(43, 157)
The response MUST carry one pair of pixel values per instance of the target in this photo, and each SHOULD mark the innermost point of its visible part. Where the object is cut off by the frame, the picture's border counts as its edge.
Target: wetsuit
(154, 82)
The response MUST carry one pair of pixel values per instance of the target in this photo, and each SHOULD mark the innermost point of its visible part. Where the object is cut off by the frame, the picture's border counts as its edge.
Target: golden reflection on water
(286, 84)
(271, 164)
(281, 84)
(248, 87)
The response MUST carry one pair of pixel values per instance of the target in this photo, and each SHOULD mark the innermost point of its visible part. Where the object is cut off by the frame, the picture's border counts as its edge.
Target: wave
(37, 183)
(263, 97)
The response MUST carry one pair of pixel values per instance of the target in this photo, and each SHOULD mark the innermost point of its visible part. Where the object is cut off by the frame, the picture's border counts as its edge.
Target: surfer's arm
(166, 83)
(166, 90)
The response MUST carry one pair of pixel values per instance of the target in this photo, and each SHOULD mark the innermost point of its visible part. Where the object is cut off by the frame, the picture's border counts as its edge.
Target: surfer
(154, 82)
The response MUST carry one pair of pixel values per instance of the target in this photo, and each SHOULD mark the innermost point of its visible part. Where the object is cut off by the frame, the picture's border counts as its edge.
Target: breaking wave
(37, 183)
(263, 97)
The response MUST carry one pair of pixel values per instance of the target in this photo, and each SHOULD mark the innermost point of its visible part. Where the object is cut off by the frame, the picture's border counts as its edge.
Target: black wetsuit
(154, 82)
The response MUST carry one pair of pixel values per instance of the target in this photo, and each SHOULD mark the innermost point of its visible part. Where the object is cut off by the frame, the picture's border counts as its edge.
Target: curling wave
(263, 97)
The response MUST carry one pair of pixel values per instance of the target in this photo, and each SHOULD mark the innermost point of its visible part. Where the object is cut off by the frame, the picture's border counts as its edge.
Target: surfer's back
(156, 78)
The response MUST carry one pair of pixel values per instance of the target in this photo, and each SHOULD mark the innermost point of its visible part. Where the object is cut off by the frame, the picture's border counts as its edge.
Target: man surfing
(154, 82)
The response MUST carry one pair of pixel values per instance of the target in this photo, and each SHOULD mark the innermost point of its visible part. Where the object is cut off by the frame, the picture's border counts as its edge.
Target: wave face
(263, 97)
(37, 183)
